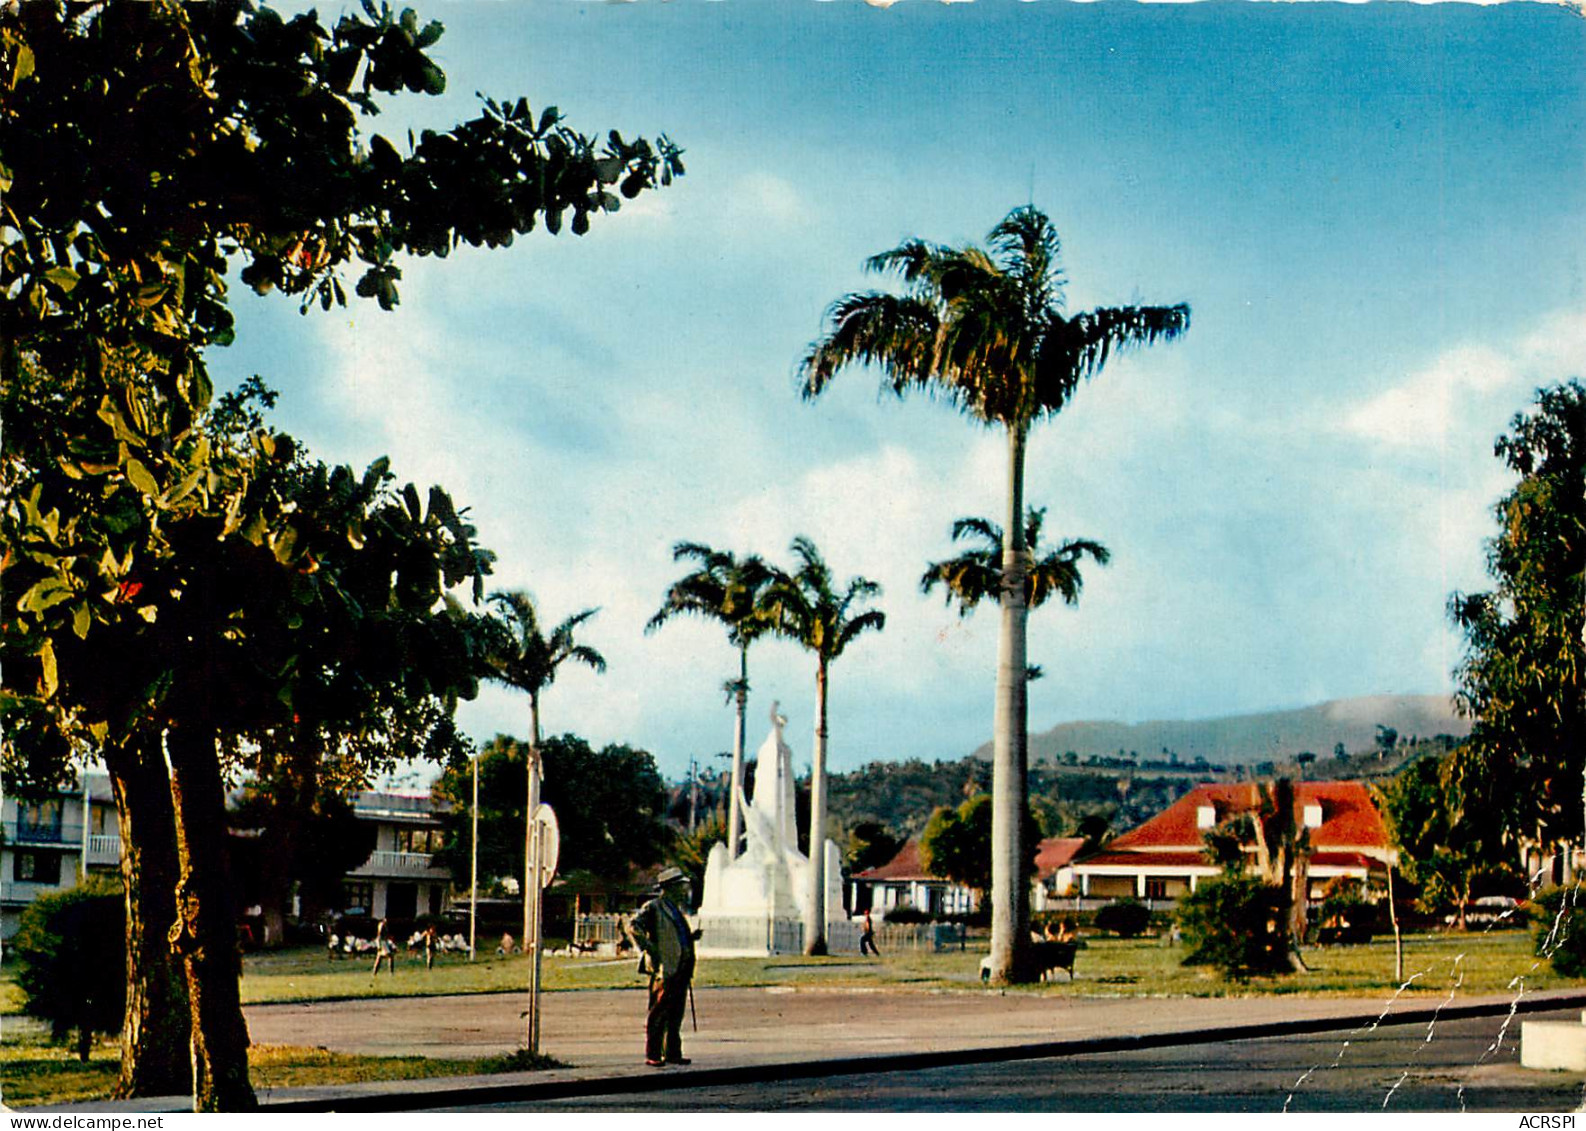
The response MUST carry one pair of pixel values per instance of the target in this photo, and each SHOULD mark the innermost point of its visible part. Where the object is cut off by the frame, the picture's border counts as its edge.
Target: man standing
(663, 934)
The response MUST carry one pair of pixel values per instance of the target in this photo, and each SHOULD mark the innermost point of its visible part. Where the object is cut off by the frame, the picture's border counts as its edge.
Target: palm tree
(518, 654)
(976, 574)
(984, 328)
(808, 610)
(725, 589)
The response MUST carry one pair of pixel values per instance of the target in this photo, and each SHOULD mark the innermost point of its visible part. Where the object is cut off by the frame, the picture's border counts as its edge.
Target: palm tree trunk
(815, 934)
(1010, 931)
(205, 934)
(734, 813)
(154, 1032)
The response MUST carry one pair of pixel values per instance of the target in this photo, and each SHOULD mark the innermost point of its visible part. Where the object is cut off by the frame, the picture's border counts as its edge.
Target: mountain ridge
(1257, 737)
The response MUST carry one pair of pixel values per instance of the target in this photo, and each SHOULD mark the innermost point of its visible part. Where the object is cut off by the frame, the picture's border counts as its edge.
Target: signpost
(545, 844)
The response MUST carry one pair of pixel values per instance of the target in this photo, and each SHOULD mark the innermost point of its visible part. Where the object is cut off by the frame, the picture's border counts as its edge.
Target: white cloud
(1458, 393)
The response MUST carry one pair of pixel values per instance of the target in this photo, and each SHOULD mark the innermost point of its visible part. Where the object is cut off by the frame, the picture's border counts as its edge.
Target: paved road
(1456, 1070)
(602, 1030)
(765, 1050)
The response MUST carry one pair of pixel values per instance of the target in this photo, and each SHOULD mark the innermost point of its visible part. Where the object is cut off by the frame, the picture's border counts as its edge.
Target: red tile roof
(1056, 852)
(1145, 861)
(905, 865)
(1349, 819)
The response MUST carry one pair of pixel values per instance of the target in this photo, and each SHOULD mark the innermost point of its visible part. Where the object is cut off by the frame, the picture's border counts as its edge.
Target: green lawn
(1479, 963)
(32, 1071)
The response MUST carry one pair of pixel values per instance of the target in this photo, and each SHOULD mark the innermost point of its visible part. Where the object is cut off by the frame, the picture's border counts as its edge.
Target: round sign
(550, 841)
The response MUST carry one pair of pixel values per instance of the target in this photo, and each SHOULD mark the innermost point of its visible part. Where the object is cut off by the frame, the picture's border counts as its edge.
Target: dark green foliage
(609, 806)
(1347, 917)
(71, 962)
(1523, 677)
(956, 844)
(870, 844)
(1238, 925)
(907, 914)
(1126, 918)
(690, 851)
(1559, 916)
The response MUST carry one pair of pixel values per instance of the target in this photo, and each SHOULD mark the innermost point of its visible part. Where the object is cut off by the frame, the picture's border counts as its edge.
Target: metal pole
(82, 863)
(473, 870)
(533, 895)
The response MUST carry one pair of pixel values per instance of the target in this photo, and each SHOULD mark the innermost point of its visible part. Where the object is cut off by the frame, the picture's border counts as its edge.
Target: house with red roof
(1054, 870)
(1165, 857)
(904, 882)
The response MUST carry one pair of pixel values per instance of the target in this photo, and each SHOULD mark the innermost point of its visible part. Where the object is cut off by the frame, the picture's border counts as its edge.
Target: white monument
(759, 903)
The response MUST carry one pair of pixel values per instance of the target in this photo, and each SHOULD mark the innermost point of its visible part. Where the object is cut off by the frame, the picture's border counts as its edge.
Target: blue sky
(1377, 213)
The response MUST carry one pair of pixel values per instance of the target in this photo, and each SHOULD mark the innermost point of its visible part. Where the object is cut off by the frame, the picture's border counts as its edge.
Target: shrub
(1126, 918)
(1235, 923)
(1560, 918)
(1347, 917)
(906, 914)
(70, 950)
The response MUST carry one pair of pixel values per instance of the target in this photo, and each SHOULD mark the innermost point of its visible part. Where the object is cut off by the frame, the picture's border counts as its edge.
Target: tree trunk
(205, 932)
(1010, 916)
(154, 1032)
(734, 812)
(1398, 934)
(815, 934)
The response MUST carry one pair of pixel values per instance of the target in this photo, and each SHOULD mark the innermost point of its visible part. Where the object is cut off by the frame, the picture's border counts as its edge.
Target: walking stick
(692, 1015)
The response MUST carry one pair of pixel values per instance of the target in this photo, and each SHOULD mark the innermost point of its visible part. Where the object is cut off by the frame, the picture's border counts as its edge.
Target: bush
(1126, 918)
(906, 914)
(1237, 924)
(1560, 918)
(1347, 918)
(71, 957)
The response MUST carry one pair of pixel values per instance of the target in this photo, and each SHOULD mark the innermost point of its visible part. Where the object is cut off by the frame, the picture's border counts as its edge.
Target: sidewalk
(751, 1035)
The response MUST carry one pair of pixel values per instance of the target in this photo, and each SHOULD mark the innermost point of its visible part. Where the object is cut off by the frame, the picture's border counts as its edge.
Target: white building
(45, 846)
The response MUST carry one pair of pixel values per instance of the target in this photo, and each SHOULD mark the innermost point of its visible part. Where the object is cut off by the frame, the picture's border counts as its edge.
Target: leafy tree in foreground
(985, 329)
(146, 150)
(1522, 680)
(809, 609)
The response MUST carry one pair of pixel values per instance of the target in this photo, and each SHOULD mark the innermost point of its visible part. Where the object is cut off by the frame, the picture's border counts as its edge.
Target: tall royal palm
(809, 610)
(726, 589)
(519, 654)
(976, 574)
(985, 329)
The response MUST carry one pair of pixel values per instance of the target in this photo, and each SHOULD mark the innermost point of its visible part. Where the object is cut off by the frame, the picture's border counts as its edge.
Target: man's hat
(669, 876)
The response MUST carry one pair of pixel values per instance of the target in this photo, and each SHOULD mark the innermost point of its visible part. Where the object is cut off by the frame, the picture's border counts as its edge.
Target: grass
(1480, 963)
(32, 1071)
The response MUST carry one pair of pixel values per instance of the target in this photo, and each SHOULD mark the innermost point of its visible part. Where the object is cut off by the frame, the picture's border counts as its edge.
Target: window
(1156, 889)
(357, 897)
(37, 867)
(40, 820)
(418, 840)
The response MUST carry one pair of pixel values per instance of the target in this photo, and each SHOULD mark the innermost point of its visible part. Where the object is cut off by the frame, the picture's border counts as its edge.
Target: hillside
(1248, 739)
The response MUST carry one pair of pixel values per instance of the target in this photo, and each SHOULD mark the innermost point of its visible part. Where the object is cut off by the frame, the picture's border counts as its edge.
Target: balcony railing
(104, 849)
(417, 864)
(24, 832)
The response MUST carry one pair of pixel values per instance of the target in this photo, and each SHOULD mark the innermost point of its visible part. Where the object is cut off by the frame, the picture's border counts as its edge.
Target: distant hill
(1247, 739)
